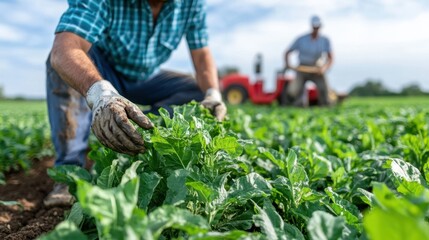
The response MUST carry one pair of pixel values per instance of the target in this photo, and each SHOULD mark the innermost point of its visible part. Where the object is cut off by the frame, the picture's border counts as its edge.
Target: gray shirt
(310, 50)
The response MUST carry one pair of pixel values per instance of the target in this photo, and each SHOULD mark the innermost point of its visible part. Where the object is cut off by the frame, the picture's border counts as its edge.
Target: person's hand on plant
(111, 115)
(213, 102)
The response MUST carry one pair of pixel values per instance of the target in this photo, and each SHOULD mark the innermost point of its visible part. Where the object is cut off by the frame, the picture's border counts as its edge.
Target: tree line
(374, 88)
(371, 88)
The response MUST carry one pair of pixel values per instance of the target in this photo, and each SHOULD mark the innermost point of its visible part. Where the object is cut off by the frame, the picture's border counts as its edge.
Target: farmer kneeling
(106, 55)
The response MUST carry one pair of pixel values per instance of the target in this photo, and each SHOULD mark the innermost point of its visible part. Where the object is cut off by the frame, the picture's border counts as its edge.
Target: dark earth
(29, 188)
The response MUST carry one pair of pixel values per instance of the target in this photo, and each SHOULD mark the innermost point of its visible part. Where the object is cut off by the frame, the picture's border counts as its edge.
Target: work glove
(111, 114)
(213, 102)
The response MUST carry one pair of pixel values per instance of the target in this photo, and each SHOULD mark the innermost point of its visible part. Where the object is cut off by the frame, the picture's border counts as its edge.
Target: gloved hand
(110, 119)
(213, 102)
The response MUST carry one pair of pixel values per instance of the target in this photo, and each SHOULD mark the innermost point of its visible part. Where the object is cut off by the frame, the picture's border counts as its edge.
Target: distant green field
(388, 101)
(24, 134)
(40, 106)
(11, 106)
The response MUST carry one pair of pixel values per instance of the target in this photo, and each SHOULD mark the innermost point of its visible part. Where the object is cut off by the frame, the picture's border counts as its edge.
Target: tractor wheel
(235, 94)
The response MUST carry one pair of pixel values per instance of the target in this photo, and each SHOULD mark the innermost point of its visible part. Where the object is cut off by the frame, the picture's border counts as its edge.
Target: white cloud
(10, 33)
(383, 39)
(33, 13)
(26, 34)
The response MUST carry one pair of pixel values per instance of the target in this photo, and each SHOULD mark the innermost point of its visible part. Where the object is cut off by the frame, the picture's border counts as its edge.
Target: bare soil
(29, 188)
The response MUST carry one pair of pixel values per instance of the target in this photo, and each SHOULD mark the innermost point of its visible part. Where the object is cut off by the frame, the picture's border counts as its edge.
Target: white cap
(315, 21)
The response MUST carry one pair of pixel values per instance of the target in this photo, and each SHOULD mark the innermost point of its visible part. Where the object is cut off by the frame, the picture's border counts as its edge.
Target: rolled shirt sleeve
(197, 35)
(86, 18)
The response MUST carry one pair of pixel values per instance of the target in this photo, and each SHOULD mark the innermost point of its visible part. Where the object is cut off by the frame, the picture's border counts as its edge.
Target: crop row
(23, 136)
(353, 172)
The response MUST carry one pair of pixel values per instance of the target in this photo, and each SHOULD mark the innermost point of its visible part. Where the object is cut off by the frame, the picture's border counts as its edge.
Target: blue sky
(380, 39)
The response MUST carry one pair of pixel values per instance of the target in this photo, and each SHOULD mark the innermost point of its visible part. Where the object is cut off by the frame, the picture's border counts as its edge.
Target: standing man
(106, 57)
(311, 48)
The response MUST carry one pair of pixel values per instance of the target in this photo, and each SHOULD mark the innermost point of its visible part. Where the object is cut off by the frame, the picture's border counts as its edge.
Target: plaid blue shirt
(125, 32)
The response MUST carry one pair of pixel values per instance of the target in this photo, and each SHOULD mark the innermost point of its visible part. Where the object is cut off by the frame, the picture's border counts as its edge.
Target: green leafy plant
(266, 173)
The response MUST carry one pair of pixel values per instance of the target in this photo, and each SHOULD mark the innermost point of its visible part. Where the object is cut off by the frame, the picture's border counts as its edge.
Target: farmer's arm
(293, 47)
(111, 112)
(328, 63)
(69, 58)
(330, 58)
(205, 68)
(80, 26)
(197, 39)
(207, 79)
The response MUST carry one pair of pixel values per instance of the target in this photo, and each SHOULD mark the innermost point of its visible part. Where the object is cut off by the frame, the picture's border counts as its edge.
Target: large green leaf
(342, 207)
(180, 126)
(110, 176)
(387, 224)
(272, 224)
(411, 188)
(227, 144)
(112, 208)
(234, 219)
(321, 167)
(166, 117)
(69, 174)
(102, 157)
(179, 152)
(324, 226)
(66, 230)
(277, 158)
(177, 190)
(403, 171)
(249, 187)
(367, 197)
(205, 192)
(148, 183)
(283, 186)
(416, 206)
(130, 173)
(172, 217)
(76, 214)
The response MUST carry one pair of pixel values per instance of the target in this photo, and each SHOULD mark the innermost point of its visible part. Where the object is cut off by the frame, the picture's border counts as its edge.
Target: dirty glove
(213, 102)
(110, 119)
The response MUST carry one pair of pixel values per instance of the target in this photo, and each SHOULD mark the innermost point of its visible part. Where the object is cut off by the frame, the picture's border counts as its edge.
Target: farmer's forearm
(329, 61)
(69, 58)
(205, 67)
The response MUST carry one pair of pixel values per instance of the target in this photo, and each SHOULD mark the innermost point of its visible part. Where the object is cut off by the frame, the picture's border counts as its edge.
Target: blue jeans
(70, 118)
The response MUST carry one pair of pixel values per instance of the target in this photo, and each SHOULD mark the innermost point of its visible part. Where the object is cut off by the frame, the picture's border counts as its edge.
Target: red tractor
(238, 88)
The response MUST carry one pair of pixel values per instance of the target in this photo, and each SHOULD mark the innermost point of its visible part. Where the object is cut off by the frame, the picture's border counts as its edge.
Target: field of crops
(357, 171)
(24, 134)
